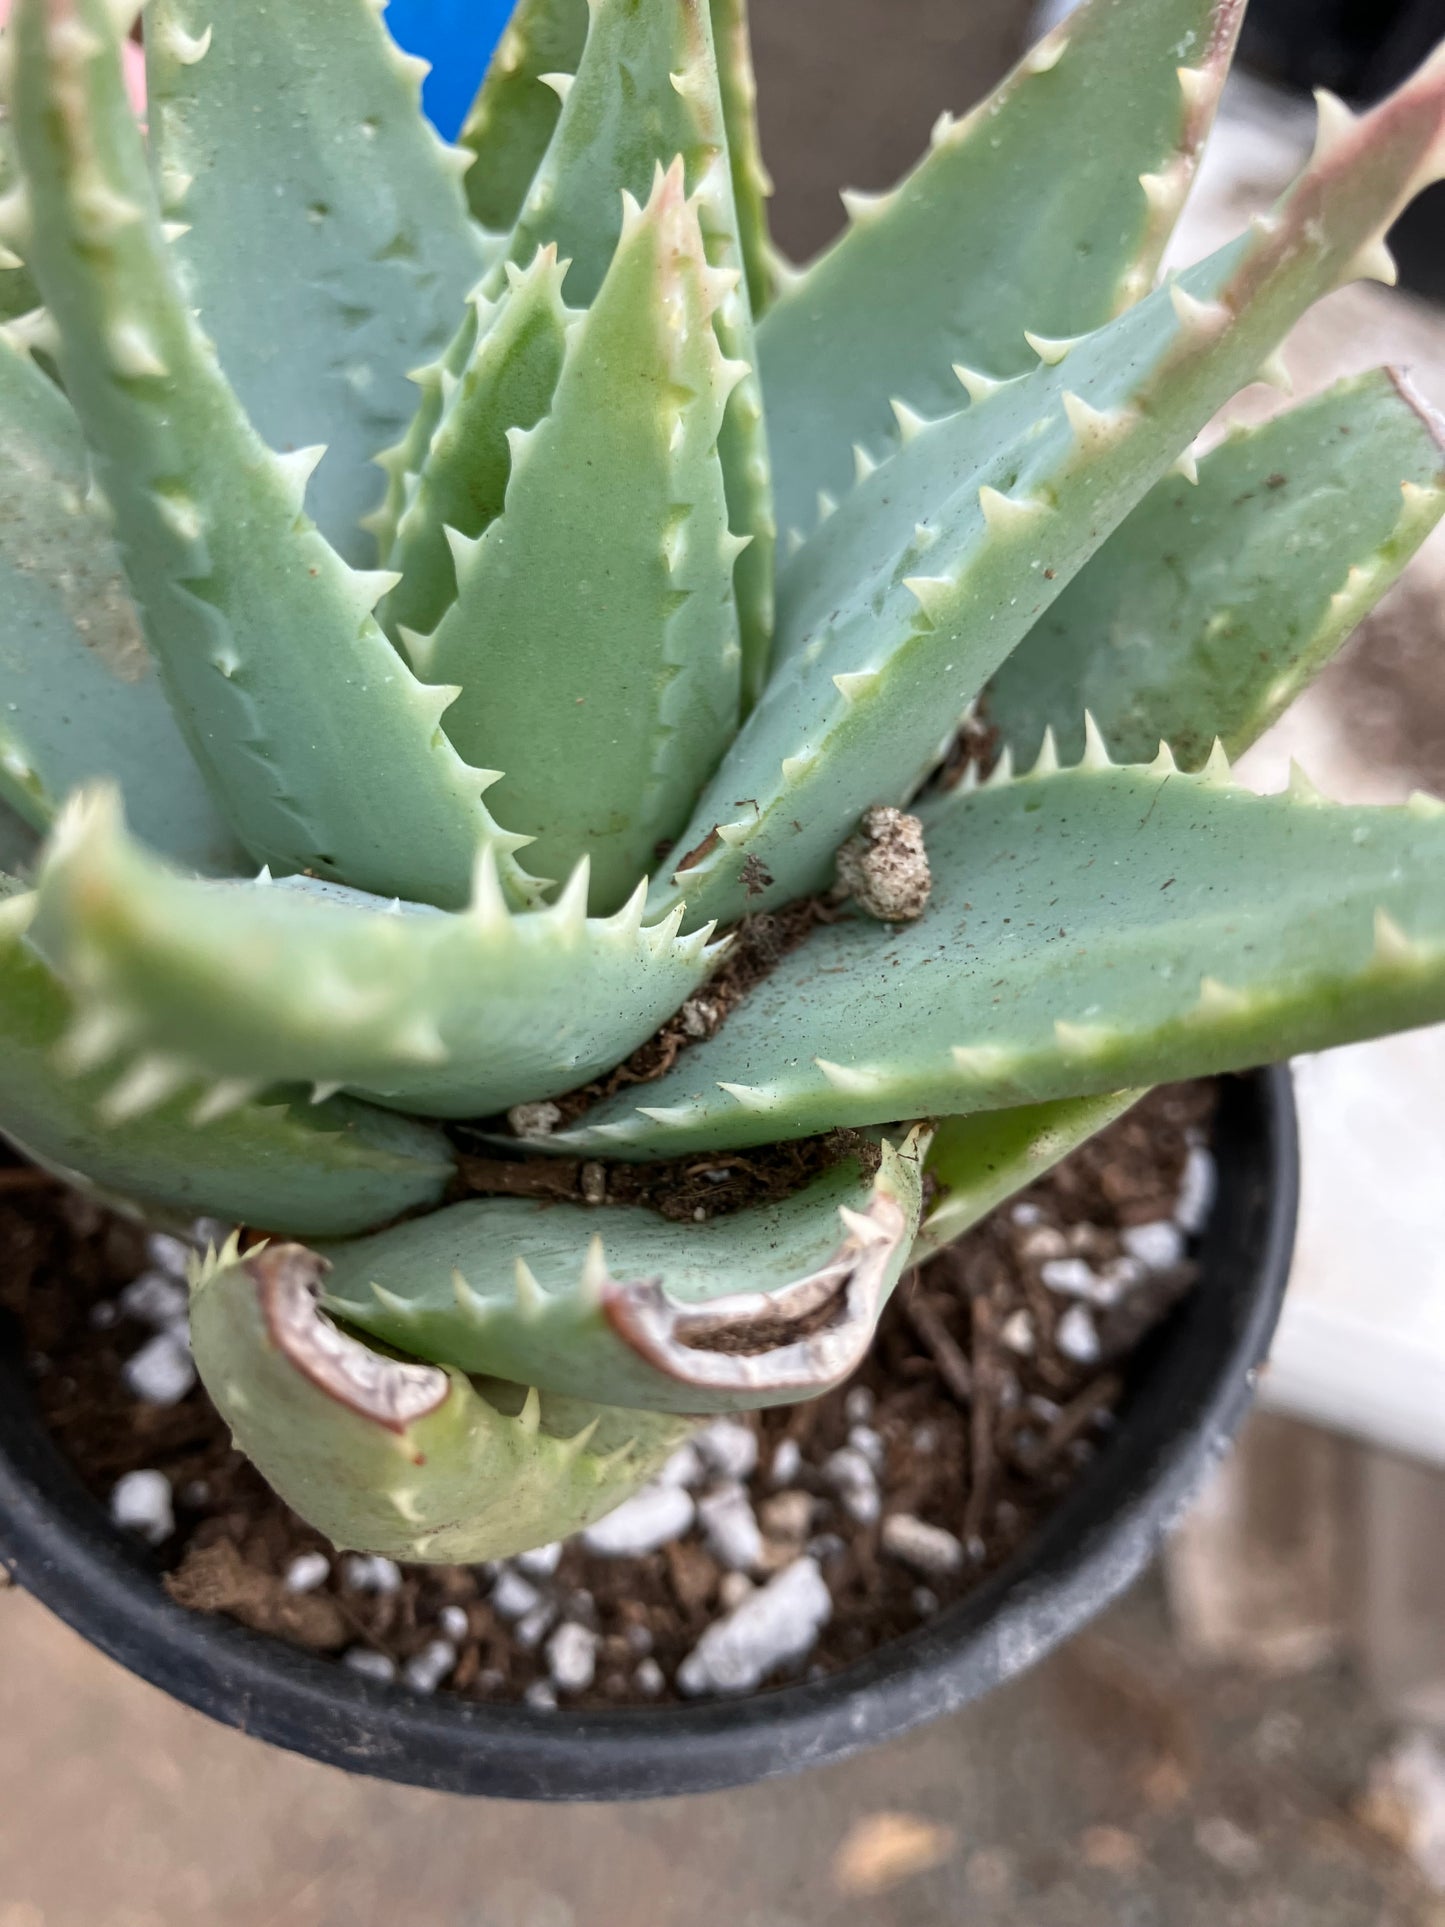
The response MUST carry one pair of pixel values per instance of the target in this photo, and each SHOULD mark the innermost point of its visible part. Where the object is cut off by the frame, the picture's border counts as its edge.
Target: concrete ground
(1112, 1788)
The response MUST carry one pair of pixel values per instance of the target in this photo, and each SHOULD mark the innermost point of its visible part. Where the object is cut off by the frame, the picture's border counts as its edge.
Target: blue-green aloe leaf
(752, 184)
(614, 558)
(388, 1456)
(515, 114)
(509, 130)
(18, 293)
(766, 1306)
(258, 983)
(79, 696)
(326, 1171)
(323, 749)
(1046, 209)
(1090, 930)
(978, 1162)
(1217, 602)
(508, 383)
(326, 242)
(647, 91)
(928, 575)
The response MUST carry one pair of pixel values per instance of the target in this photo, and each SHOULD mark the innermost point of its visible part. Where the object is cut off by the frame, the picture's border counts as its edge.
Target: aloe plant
(400, 520)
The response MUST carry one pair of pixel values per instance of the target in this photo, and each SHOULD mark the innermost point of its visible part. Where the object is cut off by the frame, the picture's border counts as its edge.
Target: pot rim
(1195, 1387)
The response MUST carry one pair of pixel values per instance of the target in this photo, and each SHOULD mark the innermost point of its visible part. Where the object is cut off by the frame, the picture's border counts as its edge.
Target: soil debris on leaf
(759, 945)
(884, 868)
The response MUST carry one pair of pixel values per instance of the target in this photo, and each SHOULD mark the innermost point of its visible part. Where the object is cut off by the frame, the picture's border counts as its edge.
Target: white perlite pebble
(656, 1515)
(141, 1502)
(541, 1694)
(1025, 1215)
(926, 1548)
(853, 1479)
(733, 1589)
(454, 1623)
(864, 1439)
(731, 1529)
(533, 1120)
(858, 1405)
(513, 1596)
(1046, 1241)
(787, 1462)
(168, 1254)
(369, 1572)
(425, 1671)
(156, 1300)
(162, 1372)
(1159, 1245)
(572, 1657)
(777, 1626)
(532, 1628)
(370, 1665)
(1071, 1278)
(729, 1448)
(649, 1678)
(1077, 1337)
(1196, 1190)
(699, 1018)
(542, 1561)
(684, 1468)
(307, 1571)
(1017, 1333)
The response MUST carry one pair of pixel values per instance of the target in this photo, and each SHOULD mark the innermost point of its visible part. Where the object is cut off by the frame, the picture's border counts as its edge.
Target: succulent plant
(400, 518)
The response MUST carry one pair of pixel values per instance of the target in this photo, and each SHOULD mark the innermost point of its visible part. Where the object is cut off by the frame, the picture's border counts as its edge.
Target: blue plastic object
(457, 37)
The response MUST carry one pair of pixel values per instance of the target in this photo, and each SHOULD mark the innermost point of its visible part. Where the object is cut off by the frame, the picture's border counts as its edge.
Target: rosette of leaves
(449, 589)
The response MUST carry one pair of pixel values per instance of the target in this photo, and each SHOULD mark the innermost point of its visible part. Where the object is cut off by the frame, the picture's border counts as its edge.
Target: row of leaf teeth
(1395, 954)
(1199, 87)
(1394, 951)
(1095, 429)
(531, 1301)
(1164, 193)
(1337, 130)
(103, 1029)
(135, 355)
(188, 50)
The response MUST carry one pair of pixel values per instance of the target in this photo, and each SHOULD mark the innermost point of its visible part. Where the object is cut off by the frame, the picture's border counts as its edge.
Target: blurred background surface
(1255, 1736)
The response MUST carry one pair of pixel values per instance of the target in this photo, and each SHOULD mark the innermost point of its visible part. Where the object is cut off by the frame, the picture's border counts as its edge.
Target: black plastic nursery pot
(1191, 1387)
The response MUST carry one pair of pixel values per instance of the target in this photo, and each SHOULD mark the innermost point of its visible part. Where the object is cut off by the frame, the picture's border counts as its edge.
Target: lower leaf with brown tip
(389, 1456)
(760, 1308)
